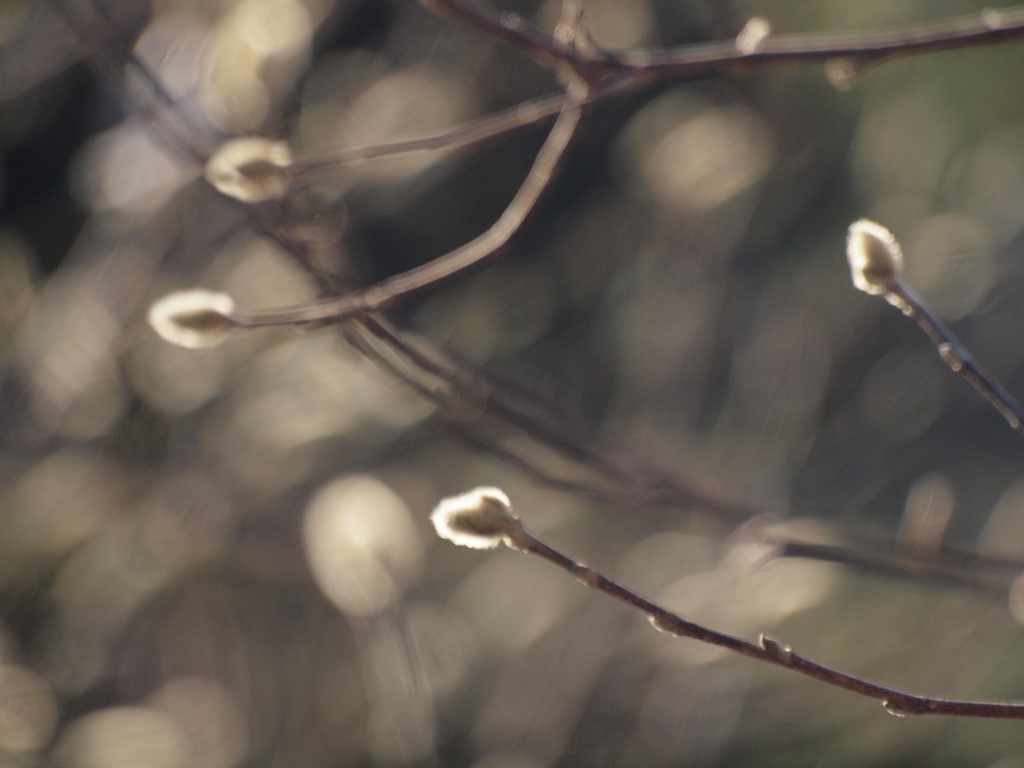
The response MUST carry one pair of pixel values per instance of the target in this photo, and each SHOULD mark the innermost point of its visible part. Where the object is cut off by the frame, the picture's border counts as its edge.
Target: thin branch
(484, 518)
(876, 266)
(596, 74)
(631, 483)
(611, 73)
(464, 136)
(435, 376)
(637, 485)
(985, 28)
(444, 267)
(957, 357)
(105, 50)
(947, 566)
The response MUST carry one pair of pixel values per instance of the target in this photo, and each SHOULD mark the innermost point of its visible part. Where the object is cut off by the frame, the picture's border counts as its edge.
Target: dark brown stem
(986, 28)
(464, 136)
(600, 478)
(597, 74)
(612, 73)
(452, 263)
(956, 355)
(896, 702)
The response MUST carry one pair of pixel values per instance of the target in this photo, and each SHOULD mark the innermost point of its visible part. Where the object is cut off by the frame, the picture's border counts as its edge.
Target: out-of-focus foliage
(223, 557)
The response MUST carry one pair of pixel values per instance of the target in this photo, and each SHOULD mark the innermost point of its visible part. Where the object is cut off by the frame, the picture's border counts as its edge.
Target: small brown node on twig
(667, 624)
(774, 648)
(950, 357)
(897, 709)
(586, 576)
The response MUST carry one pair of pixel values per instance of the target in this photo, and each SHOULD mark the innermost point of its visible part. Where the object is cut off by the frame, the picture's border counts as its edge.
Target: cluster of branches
(259, 174)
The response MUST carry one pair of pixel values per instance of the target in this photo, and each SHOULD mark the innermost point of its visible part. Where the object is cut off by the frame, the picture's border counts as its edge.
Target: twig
(947, 566)
(444, 267)
(576, 51)
(611, 73)
(484, 518)
(989, 26)
(104, 49)
(876, 264)
(957, 357)
(638, 485)
(464, 136)
(596, 73)
(433, 376)
(985, 28)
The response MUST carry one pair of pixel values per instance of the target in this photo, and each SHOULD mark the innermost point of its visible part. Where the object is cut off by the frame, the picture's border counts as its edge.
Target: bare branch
(636, 485)
(876, 262)
(958, 358)
(444, 267)
(611, 73)
(948, 566)
(515, 535)
(464, 136)
(106, 48)
(985, 28)
(586, 60)
(601, 477)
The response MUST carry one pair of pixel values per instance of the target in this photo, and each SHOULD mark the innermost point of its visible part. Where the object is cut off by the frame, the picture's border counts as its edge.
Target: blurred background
(223, 557)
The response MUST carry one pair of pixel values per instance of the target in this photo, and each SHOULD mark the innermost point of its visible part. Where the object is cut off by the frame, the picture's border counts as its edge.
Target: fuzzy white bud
(876, 260)
(251, 169)
(193, 319)
(480, 519)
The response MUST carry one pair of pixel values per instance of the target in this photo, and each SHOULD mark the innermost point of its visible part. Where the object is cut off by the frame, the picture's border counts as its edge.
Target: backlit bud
(481, 518)
(251, 169)
(193, 319)
(876, 261)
